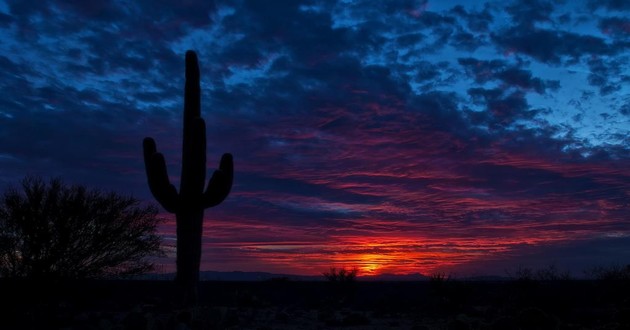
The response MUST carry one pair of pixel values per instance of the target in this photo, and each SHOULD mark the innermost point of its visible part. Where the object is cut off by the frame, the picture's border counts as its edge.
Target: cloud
(616, 26)
(386, 136)
(528, 13)
(552, 47)
(611, 5)
(477, 21)
(577, 257)
(511, 75)
(606, 75)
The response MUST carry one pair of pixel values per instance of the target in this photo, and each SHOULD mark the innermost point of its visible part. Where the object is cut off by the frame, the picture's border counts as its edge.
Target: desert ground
(284, 304)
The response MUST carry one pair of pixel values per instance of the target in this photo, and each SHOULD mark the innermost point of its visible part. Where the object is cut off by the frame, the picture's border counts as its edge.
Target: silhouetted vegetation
(549, 273)
(610, 273)
(341, 287)
(341, 275)
(191, 201)
(439, 277)
(53, 230)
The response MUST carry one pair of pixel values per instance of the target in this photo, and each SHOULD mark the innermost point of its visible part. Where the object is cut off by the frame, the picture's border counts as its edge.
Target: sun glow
(369, 264)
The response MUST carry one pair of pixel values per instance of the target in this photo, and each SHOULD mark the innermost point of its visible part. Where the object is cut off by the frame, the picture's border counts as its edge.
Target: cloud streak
(403, 136)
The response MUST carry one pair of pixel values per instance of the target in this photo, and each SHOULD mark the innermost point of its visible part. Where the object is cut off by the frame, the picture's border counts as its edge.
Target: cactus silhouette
(191, 201)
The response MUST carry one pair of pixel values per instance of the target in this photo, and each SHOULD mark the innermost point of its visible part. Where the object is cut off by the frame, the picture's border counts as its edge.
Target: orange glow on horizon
(373, 246)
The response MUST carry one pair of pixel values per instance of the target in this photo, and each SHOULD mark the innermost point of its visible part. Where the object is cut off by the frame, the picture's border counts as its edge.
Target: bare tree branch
(61, 231)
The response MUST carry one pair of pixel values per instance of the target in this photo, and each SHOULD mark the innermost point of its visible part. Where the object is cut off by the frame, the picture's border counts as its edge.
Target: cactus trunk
(189, 230)
(190, 202)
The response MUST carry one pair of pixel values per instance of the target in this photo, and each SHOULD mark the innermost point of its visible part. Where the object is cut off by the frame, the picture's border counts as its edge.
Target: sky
(399, 136)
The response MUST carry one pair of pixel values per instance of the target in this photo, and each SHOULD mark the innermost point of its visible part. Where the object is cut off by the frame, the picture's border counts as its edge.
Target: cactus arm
(157, 176)
(220, 183)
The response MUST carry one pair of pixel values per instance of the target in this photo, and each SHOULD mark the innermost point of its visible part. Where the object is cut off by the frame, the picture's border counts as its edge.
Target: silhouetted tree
(53, 230)
(191, 201)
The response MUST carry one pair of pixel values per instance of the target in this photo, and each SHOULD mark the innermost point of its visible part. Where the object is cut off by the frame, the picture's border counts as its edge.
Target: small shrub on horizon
(440, 277)
(610, 273)
(521, 274)
(343, 284)
(552, 273)
(341, 275)
(549, 273)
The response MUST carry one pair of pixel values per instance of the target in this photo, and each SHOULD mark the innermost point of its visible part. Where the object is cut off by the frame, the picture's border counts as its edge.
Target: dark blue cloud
(612, 5)
(476, 20)
(552, 46)
(350, 122)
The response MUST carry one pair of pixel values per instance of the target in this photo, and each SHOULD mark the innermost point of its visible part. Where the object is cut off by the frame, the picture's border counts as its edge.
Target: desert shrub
(521, 274)
(439, 277)
(552, 273)
(610, 273)
(342, 285)
(53, 230)
(341, 275)
(549, 273)
(440, 283)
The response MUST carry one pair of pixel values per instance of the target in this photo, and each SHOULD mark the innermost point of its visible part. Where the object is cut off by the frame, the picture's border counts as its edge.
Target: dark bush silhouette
(52, 230)
(341, 275)
(548, 273)
(191, 201)
(342, 283)
(440, 277)
(613, 272)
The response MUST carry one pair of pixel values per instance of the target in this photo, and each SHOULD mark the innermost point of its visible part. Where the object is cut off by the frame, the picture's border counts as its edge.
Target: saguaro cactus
(191, 201)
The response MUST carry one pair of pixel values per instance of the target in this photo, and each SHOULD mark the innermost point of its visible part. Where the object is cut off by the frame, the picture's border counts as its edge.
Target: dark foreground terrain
(283, 304)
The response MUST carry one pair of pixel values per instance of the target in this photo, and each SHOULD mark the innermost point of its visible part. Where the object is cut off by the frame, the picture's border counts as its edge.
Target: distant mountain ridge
(210, 275)
(263, 276)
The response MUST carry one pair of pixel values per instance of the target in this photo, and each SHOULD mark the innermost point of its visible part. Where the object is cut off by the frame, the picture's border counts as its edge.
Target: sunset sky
(397, 136)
